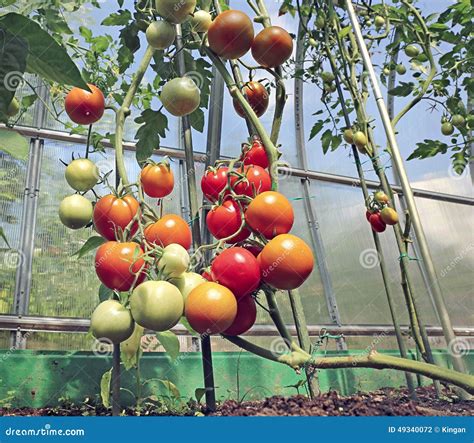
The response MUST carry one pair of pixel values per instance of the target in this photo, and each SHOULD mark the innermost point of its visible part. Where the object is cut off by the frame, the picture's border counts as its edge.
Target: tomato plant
(210, 308)
(84, 107)
(236, 269)
(120, 265)
(169, 229)
(112, 215)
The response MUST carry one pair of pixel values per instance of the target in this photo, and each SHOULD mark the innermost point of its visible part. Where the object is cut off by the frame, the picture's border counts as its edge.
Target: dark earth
(386, 402)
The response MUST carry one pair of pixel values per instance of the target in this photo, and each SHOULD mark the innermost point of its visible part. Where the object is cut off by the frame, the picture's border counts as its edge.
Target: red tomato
(378, 225)
(207, 275)
(236, 269)
(368, 214)
(286, 262)
(169, 229)
(117, 265)
(255, 154)
(272, 47)
(254, 249)
(225, 220)
(245, 318)
(157, 180)
(270, 214)
(213, 182)
(257, 96)
(231, 34)
(113, 214)
(257, 180)
(83, 107)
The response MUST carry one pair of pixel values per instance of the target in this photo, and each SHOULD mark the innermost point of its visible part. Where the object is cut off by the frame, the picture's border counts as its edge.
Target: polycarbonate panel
(12, 186)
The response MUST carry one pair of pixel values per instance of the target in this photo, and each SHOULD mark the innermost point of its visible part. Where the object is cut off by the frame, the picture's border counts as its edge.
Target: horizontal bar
(81, 325)
(201, 157)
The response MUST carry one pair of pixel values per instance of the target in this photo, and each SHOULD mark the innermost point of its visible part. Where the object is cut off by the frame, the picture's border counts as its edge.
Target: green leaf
(316, 129)
(13, 53)
(104, 292)
(344, 31)
(170, 342)
(46, 57)
(105, 388)
(131, 349)
(326, 140)
(428, 148)
(91, 243)
(14, 144)
(171, 387)
(196, 119)
(402, 90)
(199, 394)
(120, 18)
(4, 237)
(153, 126)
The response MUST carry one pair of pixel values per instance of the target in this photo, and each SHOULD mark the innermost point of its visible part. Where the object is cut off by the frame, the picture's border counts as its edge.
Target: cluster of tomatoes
(379, 214)
(255, 221)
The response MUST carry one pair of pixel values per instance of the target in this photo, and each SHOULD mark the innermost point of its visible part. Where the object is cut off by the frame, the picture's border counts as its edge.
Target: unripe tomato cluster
(379, 214)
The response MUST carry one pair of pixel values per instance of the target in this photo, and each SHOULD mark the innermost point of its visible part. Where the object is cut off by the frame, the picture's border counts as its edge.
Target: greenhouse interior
(221, 207)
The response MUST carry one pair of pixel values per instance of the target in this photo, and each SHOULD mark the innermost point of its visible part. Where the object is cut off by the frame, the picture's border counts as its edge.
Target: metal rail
(81, 325)
(296, 172)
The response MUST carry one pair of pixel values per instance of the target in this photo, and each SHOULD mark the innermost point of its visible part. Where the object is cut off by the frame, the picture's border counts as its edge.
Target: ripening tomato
(381, 197)
(286, 262)
(378, 225)
(231, 34)
(157, 180)
(236, 269)
(180, 96)
(113, 214)
(213, 182)
(117, 265)
(175, 11)
(84, 107)
(389, 216)
(255, 154)
(257, 96)
(169, 229)
(210, 308)
(225, 220)
(207, 274)
(272, 47)
(270, 214)
(245, 318)
(254, 249)
(256, 181)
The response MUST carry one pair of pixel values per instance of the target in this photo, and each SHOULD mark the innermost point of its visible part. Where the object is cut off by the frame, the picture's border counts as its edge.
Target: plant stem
(124, 111)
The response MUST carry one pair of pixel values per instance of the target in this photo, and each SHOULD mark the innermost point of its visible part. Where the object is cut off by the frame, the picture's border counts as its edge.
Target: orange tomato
(169, 229)
(270, 213)
(157, 180)
(286, 262)
(83, 107)
(113, 214)
(210, 308)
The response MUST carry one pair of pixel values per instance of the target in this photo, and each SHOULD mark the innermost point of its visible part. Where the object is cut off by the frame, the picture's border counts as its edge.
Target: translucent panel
(12, 186)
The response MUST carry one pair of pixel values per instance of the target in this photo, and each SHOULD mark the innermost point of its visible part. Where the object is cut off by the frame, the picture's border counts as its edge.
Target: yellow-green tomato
(129, 348)
(400, 69)
(458, 120)
(348, 135)
(360, 139)
(156, 305)
(180, 96)
(186, 282)
(412, 51)
(379, 21)
(160, 34)
(112, 321)
(75, 211)
(447, 128)
(201, 21)
(13, 108)
(175, 11)
(174, 260)
(82, 174)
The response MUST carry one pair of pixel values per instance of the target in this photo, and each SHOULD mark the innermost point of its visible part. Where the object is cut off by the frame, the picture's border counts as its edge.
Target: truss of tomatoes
(379, 214)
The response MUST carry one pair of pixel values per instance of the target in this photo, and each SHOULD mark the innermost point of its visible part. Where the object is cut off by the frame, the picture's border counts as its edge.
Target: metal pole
(195, 226)
(405, 184)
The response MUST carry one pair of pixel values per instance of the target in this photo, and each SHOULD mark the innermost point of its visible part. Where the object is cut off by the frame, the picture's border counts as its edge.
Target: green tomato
(186, 282)
(156, 305)
(180, 96)
(13, 108)
(82, 174)
(447, 128)
(348, 135)
(320, 21)
(327, 77)
(312, 42)
(175, 11)
(458, 120)
(160, 34)
(368, 23)
(329, 87)
(112, 321)
(360, 139)
(386, 71)
(201, 21)
(400, 69)
(379, 21)
(75, 211)
(174, 260)
(412, 51)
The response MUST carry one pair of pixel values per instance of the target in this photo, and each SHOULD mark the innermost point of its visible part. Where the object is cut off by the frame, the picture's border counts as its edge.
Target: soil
(386, 402)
